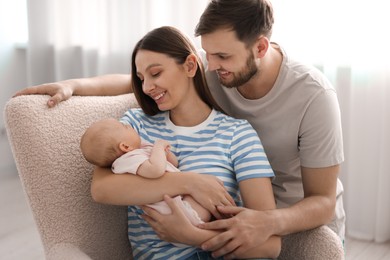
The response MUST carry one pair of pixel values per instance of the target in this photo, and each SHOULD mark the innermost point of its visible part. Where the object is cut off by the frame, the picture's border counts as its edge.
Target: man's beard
(243, 76)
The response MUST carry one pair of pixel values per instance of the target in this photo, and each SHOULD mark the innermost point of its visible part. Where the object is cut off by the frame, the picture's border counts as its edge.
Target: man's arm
(241, 232)
(315, 209)
(318, 206)
(105, 85)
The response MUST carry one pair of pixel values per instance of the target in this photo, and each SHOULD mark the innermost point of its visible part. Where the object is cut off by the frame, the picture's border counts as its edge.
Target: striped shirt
(222, 146)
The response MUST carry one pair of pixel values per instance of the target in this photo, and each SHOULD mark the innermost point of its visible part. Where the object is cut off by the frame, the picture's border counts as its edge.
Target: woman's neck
(190, 115)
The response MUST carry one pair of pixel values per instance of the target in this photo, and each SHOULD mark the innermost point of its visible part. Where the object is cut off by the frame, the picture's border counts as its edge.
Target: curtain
(347, 39)
(83, 38)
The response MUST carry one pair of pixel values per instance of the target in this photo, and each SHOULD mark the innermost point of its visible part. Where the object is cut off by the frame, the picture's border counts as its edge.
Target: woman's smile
(159, 96)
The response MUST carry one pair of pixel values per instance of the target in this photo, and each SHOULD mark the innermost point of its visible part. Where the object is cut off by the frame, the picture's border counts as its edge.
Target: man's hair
(247, 18)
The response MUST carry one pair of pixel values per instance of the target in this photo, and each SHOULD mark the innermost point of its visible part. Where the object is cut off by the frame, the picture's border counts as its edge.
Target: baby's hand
(162, 144)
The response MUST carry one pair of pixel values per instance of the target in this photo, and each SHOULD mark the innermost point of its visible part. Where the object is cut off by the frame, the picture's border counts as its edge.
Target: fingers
(217, 242)
(213, 210)
(59, 91)
(148, 219)
(26, 91)
(227, 251)
(216, 224)
(150, 212)
(171, 203)
(230, 210)
(229, 201)
(54, 100)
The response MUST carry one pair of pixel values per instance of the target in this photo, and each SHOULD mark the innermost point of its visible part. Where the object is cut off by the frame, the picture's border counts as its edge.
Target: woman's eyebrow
(149, 67)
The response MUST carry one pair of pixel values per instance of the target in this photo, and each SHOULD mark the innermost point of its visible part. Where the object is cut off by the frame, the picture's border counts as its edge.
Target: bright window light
(13, 21)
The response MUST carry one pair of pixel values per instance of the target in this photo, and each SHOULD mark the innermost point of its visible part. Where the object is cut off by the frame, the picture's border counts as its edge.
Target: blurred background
(50, 40)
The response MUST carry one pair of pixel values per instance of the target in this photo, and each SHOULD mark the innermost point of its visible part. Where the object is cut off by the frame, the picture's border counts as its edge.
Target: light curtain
(347, 39)
(83, 38)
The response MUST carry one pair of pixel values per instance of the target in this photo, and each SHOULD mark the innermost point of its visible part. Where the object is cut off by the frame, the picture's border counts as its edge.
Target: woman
(214, 151)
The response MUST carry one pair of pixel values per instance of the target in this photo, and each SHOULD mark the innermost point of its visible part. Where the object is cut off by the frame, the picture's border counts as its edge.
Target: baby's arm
(171, 157)
(156, 165)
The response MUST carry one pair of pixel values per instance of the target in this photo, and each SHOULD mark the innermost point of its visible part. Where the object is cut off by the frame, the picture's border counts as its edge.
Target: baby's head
(106, 140)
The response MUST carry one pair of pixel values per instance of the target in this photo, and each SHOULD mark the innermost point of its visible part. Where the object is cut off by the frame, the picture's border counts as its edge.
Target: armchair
(56, 180)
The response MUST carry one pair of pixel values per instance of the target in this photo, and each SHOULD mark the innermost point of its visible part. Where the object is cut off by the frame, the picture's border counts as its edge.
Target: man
(292, 106)
(295, 111)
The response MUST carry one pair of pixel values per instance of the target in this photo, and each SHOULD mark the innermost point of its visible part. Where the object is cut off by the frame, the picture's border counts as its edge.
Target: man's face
(229, 57)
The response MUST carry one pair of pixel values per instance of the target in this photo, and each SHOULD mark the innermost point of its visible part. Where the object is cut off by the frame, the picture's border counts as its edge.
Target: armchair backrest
(56, 178)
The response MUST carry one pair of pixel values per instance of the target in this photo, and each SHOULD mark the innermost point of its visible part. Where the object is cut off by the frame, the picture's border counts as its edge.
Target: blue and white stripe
(221, 146)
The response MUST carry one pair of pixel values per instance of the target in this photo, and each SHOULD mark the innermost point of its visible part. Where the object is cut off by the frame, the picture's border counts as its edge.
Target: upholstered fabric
(56, 180)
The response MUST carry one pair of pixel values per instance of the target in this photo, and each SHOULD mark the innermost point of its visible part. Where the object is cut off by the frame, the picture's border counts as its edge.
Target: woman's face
(165, 81)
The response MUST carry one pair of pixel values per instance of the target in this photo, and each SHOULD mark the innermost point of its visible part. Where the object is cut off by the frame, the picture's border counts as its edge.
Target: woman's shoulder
(231, 120)
(234, 126)
(136, 116)
(140, 114)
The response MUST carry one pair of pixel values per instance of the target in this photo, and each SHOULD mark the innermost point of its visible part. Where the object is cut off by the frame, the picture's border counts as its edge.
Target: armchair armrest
(316, 244)
(65, 251)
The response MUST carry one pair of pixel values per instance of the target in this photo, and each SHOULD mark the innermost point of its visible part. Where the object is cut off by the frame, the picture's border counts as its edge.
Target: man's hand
(59, 91)
(247, 229)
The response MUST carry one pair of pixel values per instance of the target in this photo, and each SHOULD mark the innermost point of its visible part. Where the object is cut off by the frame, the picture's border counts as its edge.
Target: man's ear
(191, 65)
(125, 147)
(261, 45)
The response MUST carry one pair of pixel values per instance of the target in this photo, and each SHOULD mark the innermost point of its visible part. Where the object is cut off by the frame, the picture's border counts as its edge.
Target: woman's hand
(59, 91)
(174, 228)
(209, 192)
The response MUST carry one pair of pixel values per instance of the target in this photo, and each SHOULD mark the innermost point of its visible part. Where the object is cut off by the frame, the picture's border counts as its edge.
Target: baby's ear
(125, 147)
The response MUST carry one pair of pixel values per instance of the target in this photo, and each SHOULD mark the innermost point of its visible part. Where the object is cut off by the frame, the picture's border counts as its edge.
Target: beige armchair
(56, 180)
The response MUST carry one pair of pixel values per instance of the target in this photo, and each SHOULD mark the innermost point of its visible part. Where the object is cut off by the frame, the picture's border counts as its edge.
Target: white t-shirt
(299, 124)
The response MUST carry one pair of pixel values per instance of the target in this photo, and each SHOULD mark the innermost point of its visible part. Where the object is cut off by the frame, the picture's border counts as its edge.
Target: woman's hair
(171, 42)
(247, 18)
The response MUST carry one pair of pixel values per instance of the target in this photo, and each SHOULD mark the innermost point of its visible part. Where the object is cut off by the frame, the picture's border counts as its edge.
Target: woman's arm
(257, 194)
(129, 189)
(105, 85)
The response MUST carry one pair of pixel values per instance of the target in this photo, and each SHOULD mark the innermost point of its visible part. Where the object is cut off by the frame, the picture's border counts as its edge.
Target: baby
(108, 142)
